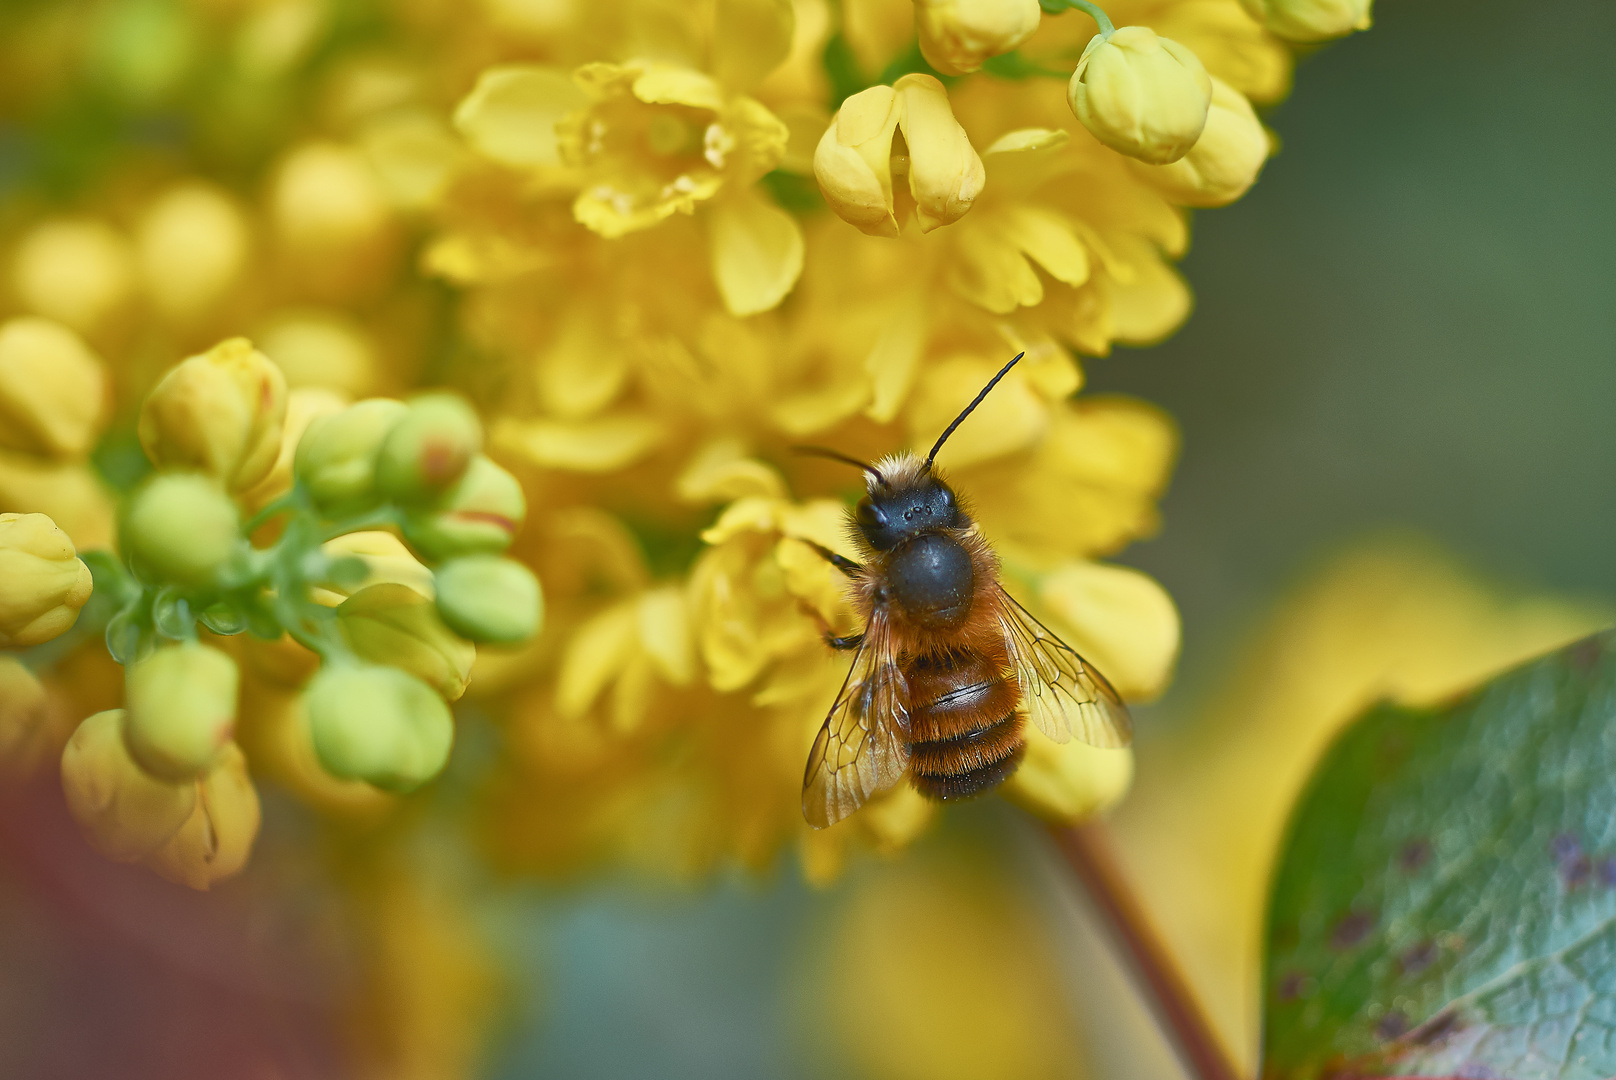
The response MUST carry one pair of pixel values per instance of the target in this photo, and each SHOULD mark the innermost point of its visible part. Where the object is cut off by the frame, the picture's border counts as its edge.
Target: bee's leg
(840, 562)
(841, 643)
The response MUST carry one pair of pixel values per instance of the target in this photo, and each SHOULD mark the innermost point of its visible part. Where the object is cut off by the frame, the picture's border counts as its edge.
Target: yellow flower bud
(336, 458)
(69, 493)
(74, 271)
(216, 839)
(42, 582)
(956, 36)
(191, 246)
(1224, 161)
(1065, 783)
(395, 625)
(23, 706)
(52, 389)
(220, 412)
(182, 709)
(1310, 20)
(1142, 95)
(429, 448)
(480, 513)
(487, 598)
(856, 167)
(125, 812)
(181, 527)
(378, 724)
(304, 405)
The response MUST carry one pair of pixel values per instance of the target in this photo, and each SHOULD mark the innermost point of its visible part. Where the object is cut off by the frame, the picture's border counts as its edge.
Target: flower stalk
(1088, 851)
(1092, 10)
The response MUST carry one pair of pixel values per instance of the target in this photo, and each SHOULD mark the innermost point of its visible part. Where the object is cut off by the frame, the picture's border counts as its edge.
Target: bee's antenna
(836, 455)
(974, 403)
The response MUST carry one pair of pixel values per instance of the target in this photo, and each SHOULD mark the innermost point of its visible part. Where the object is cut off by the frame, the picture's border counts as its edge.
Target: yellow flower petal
(594, 657)
(756, 251)
(945, 173)
(721, 472)
(750, 39)
(665, 638)
(510, 115)
(52, 389)
(600, 445)
(1065, 783)
(1119, 619)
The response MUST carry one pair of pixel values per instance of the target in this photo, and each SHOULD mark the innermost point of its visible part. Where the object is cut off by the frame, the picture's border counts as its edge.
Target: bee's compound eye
(868, 516)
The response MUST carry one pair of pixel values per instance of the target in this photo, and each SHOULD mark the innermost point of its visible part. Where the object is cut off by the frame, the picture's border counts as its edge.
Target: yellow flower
(76, 271)
(1311, 20)
(956, 36)
(220, 412)
(1225, 160)
(1141, 94)
(627, 648)
(42, 582)
(52, 389)
(125, 812)
(855, 162)
(191, 245)
(69, 493)
(215, 840)
(182, 709)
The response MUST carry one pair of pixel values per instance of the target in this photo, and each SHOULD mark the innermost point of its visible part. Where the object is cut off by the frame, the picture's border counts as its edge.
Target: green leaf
(1446, 902)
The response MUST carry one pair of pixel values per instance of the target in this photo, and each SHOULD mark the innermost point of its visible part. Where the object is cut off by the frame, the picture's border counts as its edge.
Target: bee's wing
(1064, 694)
(860, 750)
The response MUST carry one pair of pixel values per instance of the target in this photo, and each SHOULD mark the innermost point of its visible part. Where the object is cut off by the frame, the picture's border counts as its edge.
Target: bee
(948, 664)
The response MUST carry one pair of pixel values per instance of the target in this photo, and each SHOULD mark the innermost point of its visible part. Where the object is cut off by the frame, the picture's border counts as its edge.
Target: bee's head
(907, 499)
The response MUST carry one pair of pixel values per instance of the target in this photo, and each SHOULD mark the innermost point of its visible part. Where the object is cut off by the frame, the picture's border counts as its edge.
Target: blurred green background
(1408, 324)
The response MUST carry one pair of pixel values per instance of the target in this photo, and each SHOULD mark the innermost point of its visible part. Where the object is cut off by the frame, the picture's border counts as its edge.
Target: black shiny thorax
(929, 574)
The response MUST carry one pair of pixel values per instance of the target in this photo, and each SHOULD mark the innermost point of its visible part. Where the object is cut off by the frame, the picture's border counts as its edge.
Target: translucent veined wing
(1063, 693)
(860, 750)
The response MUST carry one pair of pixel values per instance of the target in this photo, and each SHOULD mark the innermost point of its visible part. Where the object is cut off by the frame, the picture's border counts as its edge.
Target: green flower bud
(220, 412)
(181, 527)
(216, 839)
(1310, 20)
(42, 582)
(395, 625)
(378, 724)
(1140, 94)
(429, 448)
(487, 598)
(479, 514)
(125, 812)
(182, 709)
(336, 458)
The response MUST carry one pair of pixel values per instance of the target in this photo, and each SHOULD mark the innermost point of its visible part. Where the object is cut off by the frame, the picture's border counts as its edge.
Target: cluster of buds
(1148, 97)
(389, 630)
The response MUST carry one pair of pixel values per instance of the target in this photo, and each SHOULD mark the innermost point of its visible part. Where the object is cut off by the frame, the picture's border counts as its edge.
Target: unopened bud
(855, 165)
(378, 724)
(125, 812)
(395, 625)
(490, 599)
(480, 513)
(956, 36)
(220, 412)
(42, 582)
(336, 458)
(182, 709)
(216, 839)
(1225, 160)
(52, 389)
(429, 448)
(1140, 94)
(1310, 20)
(181, 527)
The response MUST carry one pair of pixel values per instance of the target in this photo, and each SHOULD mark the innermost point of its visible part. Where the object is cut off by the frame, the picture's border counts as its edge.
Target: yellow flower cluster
(657, 244)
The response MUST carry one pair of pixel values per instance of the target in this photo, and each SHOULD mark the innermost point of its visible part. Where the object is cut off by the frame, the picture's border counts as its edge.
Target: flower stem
(1088, 850)
(1092, 10)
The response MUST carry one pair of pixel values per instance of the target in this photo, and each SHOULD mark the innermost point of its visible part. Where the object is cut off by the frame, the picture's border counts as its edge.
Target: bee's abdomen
(964, 728)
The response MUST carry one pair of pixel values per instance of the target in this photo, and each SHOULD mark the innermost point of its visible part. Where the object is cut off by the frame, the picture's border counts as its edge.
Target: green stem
(1092, 10)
